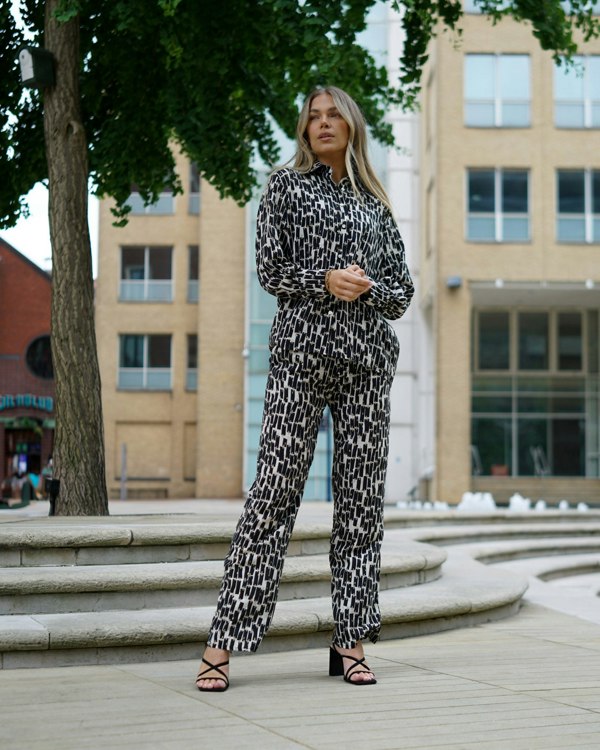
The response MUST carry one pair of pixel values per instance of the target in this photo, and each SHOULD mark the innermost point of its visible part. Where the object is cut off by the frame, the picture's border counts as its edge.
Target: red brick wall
(25, 294)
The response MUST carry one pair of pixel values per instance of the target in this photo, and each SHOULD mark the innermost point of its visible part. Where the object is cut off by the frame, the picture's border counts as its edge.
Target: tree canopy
(216, 75)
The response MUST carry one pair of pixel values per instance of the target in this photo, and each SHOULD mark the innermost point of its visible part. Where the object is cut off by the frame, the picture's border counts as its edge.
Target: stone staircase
(143, 588)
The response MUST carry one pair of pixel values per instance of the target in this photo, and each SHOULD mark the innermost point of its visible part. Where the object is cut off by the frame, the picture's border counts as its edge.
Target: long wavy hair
(357, 161)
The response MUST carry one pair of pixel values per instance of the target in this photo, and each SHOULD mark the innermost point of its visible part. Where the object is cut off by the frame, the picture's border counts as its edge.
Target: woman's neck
(338, 168)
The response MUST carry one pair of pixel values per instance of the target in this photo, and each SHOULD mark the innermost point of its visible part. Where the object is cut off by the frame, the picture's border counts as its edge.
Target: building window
(567, 6)
(493, 339)
(533, 340)
(164, 206)
(146, 274)
(578, 217)
(145, 362)
(472, 6)
(193, 273)
(191, 379)
(498, 205)
(577, 93)
(194, 192)
(497, 91)
(536, 412)
(39, 358)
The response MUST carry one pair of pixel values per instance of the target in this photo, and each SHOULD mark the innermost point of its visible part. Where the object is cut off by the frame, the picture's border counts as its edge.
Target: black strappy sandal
(336, 667)
(213, 668)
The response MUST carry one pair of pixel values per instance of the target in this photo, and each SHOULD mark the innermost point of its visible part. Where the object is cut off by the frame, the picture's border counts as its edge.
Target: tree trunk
(78, 455)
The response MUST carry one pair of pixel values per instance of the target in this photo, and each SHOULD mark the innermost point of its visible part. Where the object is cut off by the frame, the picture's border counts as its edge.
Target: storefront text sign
(26, 401)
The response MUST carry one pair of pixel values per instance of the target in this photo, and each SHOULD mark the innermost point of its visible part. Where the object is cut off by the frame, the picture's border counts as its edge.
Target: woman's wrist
(327, 280)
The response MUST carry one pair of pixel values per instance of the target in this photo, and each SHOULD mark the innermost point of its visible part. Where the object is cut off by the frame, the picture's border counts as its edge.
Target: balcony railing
(146, 290)
(145, 378)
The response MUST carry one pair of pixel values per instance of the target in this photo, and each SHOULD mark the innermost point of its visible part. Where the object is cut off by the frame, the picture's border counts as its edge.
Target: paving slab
(501, 685)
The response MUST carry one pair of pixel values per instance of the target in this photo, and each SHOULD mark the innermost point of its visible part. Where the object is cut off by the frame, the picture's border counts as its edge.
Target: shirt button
(330, 312)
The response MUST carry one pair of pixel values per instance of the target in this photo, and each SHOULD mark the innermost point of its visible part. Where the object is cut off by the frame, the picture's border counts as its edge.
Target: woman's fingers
(347, 284)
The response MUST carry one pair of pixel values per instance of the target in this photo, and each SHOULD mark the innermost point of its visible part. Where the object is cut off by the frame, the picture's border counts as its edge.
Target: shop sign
(26, 401)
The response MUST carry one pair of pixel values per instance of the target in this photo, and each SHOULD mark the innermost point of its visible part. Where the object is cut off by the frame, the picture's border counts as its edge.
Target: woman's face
(327, 131)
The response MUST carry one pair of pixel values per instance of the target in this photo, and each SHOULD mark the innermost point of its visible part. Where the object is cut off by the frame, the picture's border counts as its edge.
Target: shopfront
(26, 374)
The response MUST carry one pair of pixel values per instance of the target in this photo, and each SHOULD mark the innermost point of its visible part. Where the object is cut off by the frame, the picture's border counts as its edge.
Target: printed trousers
(299, 386)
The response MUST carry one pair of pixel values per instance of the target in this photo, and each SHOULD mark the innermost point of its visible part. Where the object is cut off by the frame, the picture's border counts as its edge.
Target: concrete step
(467, 594)
(522, 549)
(458, 534)
(100, 588)
(552, 567)
(133, 540)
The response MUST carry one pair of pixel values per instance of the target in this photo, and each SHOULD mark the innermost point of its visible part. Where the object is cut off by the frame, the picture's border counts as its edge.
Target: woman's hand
(348, 283)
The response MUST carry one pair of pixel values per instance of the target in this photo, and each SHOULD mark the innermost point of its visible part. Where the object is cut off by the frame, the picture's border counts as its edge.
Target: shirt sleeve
(393, 288)
(277, 272)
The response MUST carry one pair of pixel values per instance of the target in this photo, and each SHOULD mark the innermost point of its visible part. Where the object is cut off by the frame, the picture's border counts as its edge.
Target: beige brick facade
(538, 274)
(179, 442)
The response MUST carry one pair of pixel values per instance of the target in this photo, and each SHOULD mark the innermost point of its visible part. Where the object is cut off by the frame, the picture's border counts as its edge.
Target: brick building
(26, 377)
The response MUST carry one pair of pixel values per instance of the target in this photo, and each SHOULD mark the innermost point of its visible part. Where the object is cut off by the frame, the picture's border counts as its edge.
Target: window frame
(193, 284)
(498, 215)
(146, 372)
(146, 284)
(191, 373)
(513, 345)
(496, 97)
(589, 218)
(516, 398)
(587, 102)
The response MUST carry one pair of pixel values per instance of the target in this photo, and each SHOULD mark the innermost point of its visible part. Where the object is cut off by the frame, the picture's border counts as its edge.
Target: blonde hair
(357, 161)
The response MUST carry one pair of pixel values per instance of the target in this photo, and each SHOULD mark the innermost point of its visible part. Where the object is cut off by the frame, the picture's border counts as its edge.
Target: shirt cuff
(313, 282)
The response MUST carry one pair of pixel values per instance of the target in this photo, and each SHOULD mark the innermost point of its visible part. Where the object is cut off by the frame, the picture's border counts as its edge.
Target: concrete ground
(532, 681)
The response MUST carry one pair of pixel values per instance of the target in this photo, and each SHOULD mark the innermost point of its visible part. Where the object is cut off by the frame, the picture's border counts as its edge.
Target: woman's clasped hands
(348, 283)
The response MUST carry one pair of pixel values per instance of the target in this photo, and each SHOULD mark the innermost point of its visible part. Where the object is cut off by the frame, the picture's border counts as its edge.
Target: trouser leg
(361, 417)
(293, 408)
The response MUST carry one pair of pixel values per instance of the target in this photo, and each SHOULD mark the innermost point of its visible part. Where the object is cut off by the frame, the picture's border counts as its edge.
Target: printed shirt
(308, 224)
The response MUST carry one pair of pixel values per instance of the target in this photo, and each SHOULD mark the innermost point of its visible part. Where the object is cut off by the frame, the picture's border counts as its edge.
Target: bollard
(54, 488)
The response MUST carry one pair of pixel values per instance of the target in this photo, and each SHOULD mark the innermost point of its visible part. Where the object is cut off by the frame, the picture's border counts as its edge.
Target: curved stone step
(503, 551)
(90, 543)
(110, 587)
(467, 594)
(458, 535)
(553, 567)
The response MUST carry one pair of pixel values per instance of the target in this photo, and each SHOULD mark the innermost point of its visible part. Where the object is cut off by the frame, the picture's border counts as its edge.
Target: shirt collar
(320, 168)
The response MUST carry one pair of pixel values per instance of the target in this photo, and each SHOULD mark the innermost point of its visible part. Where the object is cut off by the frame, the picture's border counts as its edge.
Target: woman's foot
(214, 679)
(355, 673)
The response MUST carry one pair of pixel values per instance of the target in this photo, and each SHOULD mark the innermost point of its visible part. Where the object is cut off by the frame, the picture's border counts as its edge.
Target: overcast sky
(32, 236)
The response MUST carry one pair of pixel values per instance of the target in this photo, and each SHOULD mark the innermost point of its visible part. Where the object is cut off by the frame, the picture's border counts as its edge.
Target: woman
(328, 248)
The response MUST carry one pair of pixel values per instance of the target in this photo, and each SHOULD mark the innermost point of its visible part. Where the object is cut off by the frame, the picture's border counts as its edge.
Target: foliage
(215, 76)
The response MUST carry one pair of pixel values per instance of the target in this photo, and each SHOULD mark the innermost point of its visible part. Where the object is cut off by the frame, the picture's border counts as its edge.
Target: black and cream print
(308, 224)
(323, 352)
(298, 388)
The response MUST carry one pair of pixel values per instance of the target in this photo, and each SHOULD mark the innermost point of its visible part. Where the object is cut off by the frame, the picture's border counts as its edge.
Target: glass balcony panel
(571, 230)
(131, 291)
(480, 114)
(516, 115)
(193, 291)
(515, 229)
(159, 291)
(158, 379)
(131, 379)
(191, 379)
(567, 115)
(481, 229)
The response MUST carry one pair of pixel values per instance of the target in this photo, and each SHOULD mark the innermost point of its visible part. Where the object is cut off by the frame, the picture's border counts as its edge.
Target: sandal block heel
(336, 663)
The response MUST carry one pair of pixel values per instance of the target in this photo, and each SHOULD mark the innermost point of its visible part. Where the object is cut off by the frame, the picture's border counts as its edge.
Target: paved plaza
(529, 681)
